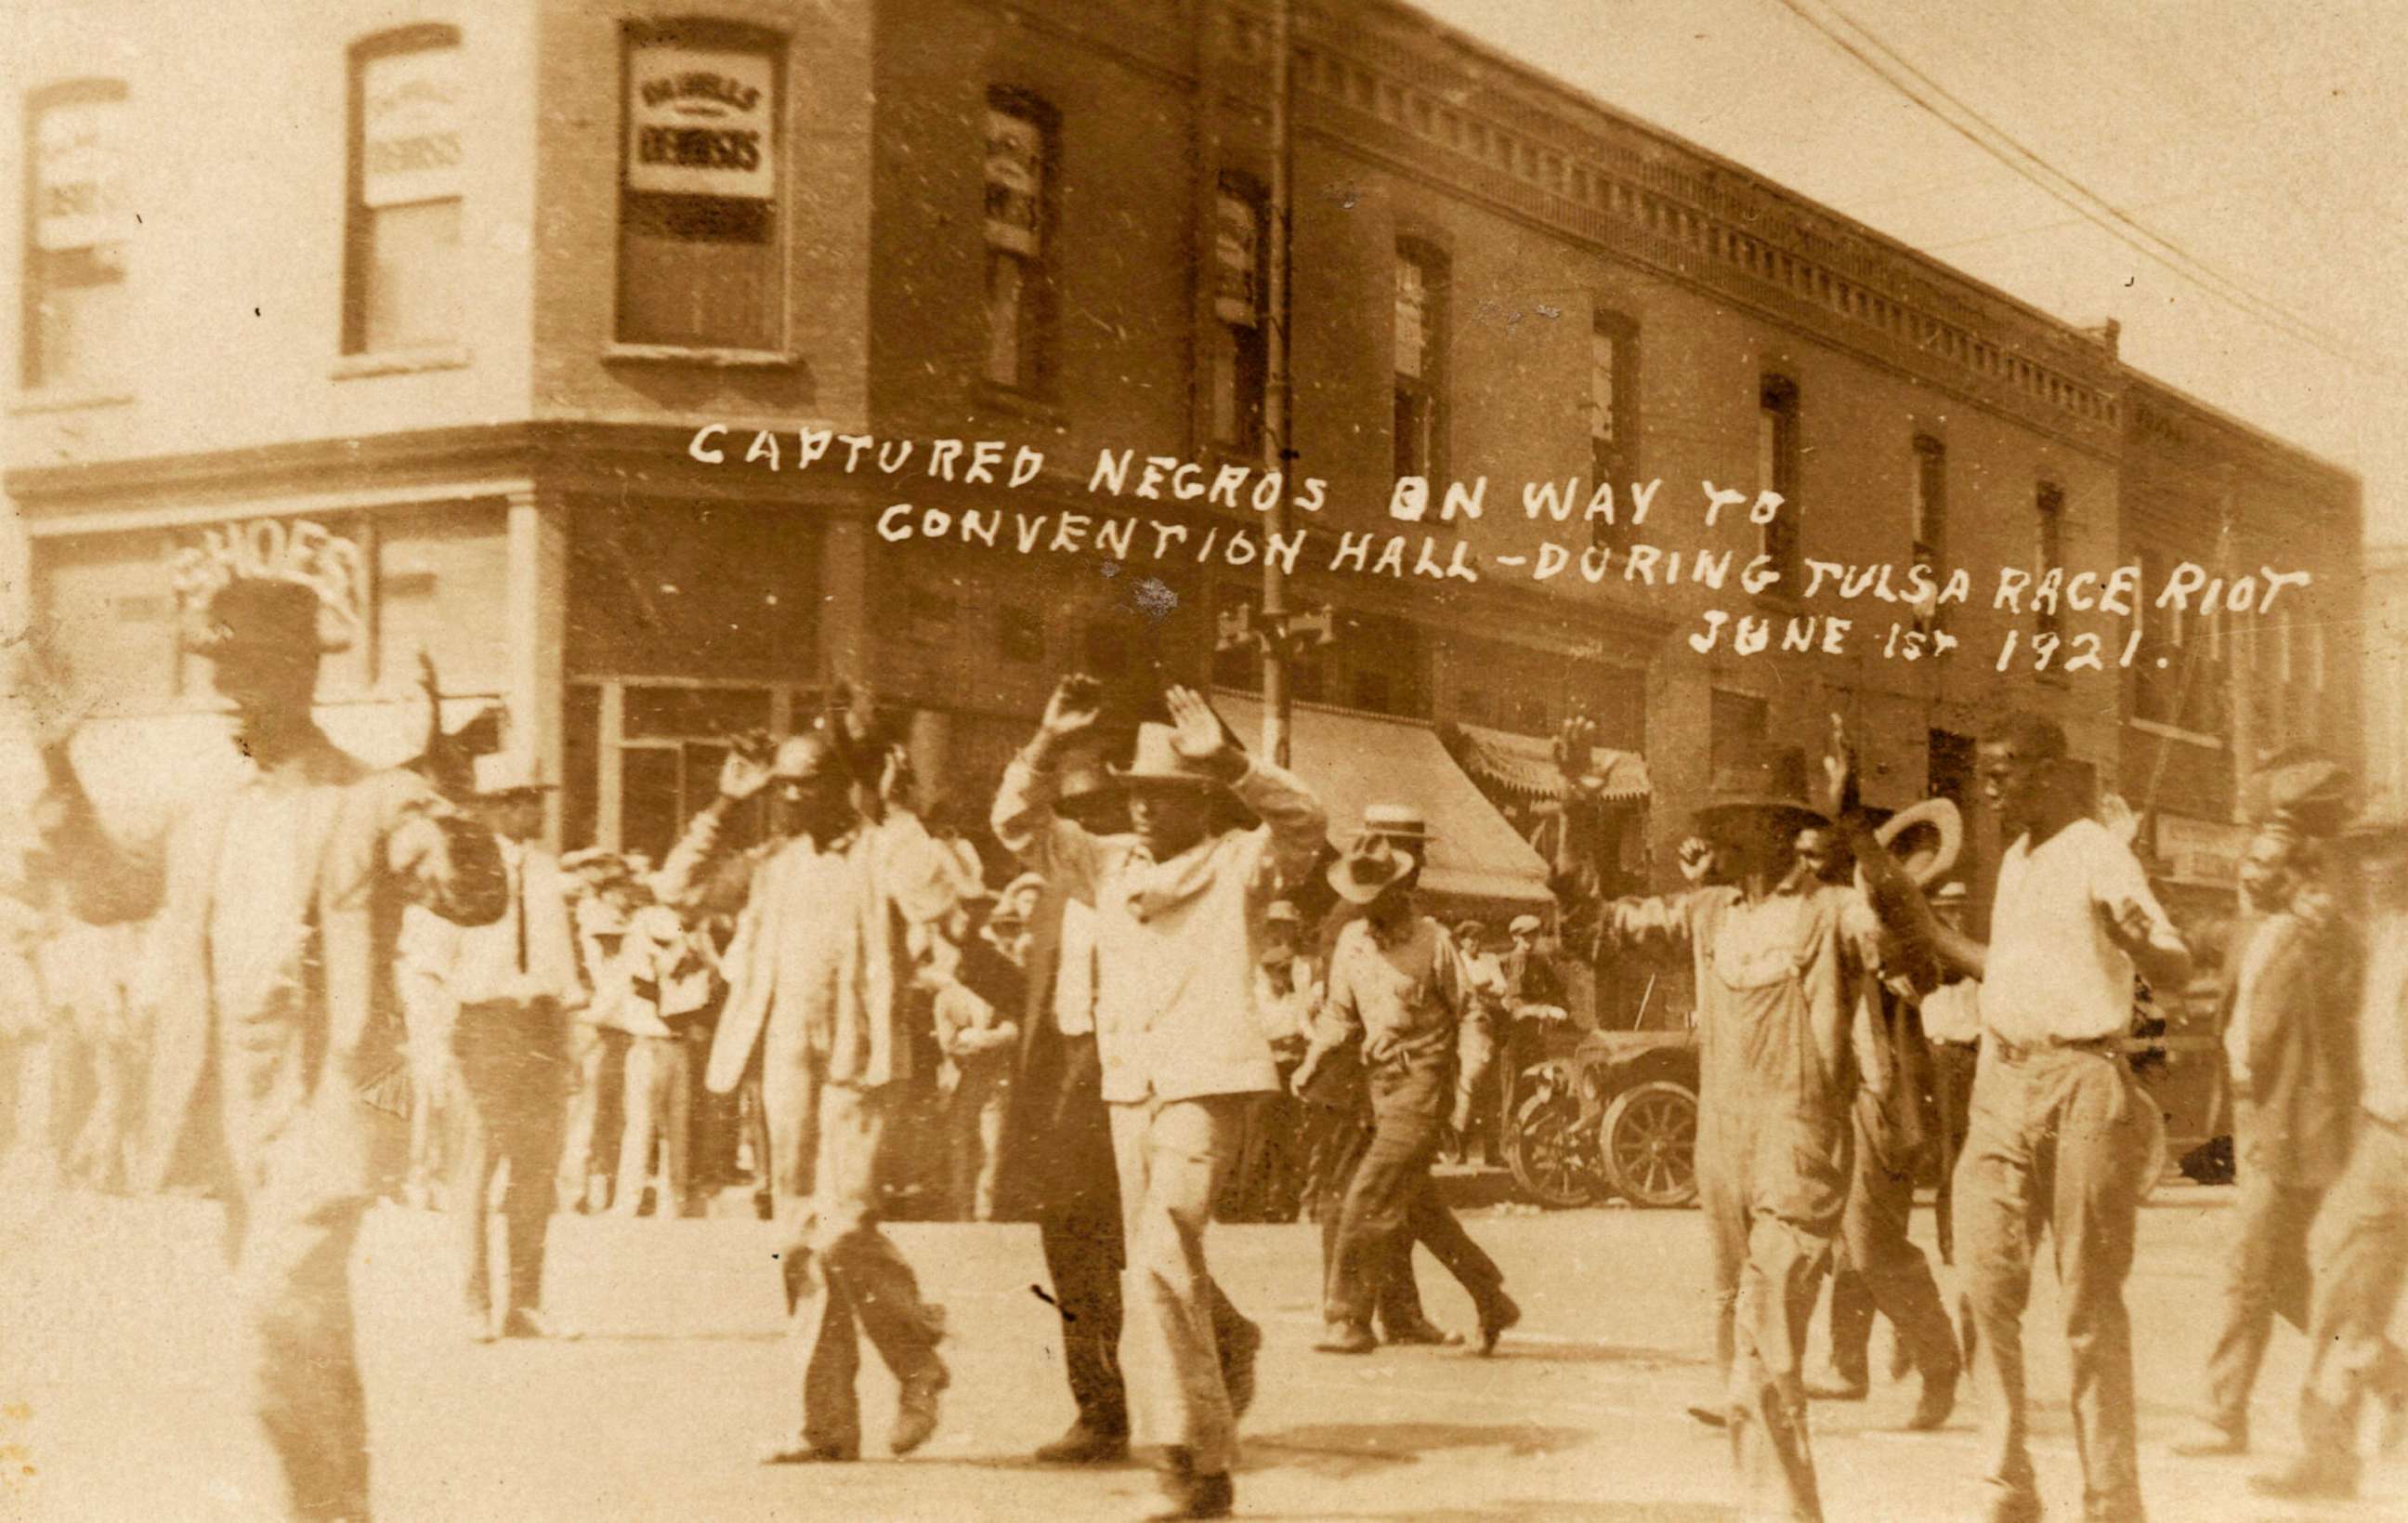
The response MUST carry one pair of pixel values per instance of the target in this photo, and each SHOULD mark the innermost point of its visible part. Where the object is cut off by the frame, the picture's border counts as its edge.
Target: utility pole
(1276, 392)
(2240, 651)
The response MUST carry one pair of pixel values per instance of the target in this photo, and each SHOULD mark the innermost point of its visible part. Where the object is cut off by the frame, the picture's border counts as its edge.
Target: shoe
(1829, 1385)
(1497, 1314)
(1191, 1495)
(528, 1322)
(2211, 1441)
(480, 1323)
(1238, 1366)
(1938, 1399)
(1346, 1338)
(915, 1408)
(1424, 1333)
(2308, 1479)
(805, 1454)
(1084, 1445)
(2005, 1506)
(1711, 1416)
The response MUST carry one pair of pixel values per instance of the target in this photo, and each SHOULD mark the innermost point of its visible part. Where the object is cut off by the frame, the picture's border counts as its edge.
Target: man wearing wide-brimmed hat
(2361, 1236)
(834, 923)
(1183, 1051)
(510, 987)
(1400, 994)
(276, 902)
(1781, 960)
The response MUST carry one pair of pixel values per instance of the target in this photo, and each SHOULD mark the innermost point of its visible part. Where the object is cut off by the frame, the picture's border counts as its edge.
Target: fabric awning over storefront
(1524, 764)
(1351, 759)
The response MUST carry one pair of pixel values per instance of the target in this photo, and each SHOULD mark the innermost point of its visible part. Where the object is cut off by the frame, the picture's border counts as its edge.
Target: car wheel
(1547, 1149)
(1650, 1141)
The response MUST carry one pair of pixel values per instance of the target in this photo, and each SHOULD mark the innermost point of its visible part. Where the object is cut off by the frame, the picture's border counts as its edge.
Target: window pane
(698, 254)
(414, 276)
(698, 272)
(74, 256)
(1006, 300)
(1413, 319)
(79, 317)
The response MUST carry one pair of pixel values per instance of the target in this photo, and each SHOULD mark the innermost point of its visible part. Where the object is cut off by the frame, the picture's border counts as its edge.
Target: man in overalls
(1781, 960)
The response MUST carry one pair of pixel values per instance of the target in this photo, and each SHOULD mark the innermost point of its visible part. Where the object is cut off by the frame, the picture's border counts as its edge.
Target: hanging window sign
(1237, 234)
(76, 199)
(278, 550)
(699, 122)
(1015, 181)
(410, 127)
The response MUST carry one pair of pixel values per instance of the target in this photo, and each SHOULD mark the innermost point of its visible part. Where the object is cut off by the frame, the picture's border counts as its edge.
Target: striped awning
(1525, 765)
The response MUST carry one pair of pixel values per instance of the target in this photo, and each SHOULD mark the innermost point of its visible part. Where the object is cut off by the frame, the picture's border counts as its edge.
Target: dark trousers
(1882, 1269)
(291, 1269)
(513, 1104)
(1080, 1236)
(1390, 1204)
(2362, 1264)
(1951, 1092)
(2267, 1277)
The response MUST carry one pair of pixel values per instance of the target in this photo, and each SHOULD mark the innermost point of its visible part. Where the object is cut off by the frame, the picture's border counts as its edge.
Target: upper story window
(73, 285)
(1420, 359)
(1612, 407)
(401, 267)
(1020, 133)
(2049, 504)
(701, 256)
(1239, 338)
(1776, 468)
(1928, 507)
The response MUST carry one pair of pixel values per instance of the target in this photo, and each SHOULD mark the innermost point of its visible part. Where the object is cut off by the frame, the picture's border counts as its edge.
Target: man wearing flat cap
(1780, 961)
(831, 934)
(1183, 1050)
(277, 902)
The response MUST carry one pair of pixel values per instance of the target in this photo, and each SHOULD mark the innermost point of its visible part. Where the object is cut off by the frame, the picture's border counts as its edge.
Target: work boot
(2212, 1441)
(1497, 1312)
(1939, 1398)
(1829, 1384)
(1084, 1445)
(796, 1452)
(529, 1322)
(1422, 1332)
(1710, 1415)
(2310, 1479)
(1190, 1494)
(1346, 1338)
(915, 1407)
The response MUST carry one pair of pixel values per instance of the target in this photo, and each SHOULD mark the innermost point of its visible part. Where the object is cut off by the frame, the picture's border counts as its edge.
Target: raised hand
(1076, 705)
(853, 710)
(1840, 772)
(742, 774)
(1196, 729)
(1697, 858)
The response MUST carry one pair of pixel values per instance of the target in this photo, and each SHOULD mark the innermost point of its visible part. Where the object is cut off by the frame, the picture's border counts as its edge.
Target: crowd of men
(1145, 1013)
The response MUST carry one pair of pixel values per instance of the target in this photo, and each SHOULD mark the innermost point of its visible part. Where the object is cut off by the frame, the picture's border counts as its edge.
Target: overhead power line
(1937, 101)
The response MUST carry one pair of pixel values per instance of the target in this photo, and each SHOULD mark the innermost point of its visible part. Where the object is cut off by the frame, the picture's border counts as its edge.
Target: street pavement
(120, 1397)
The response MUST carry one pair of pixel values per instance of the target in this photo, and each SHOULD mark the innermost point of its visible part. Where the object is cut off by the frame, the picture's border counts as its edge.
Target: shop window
(1238, 336)
(701, 260)
(401, 264)
(1927, 509)
(1948, 767)
(1776, 470)
(1420, 359)
(1612, 398)
(1735, 724)
(74, 284)
(2049, 503)
(1021, 633)
(1020, 133)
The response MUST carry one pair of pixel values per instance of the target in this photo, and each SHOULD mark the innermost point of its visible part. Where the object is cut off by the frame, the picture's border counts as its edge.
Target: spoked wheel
(1651, 1144)
(1550, 1153)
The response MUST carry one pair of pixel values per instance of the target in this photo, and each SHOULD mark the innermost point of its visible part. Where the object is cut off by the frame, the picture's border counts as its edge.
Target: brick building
(458, 285)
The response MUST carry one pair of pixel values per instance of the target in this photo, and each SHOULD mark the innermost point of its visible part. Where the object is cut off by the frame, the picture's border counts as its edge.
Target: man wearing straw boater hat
(1781, 960)
(1400, 992)
(277, 902)
(1183, 1048)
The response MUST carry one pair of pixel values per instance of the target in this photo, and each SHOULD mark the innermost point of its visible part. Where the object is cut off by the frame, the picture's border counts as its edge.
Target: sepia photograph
(1622, 761)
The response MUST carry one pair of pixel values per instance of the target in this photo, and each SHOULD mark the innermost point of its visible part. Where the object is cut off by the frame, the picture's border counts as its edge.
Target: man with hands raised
(1183, 1054)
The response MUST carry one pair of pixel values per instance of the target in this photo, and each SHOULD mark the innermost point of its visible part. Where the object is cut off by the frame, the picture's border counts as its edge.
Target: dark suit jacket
(2292, 1115)
(1057, 1136)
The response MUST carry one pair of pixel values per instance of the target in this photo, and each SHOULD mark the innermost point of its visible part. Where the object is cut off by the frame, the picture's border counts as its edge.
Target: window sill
(2175, 732)
(986, 394)
(69, 401)
(713, 359)
(399, 362)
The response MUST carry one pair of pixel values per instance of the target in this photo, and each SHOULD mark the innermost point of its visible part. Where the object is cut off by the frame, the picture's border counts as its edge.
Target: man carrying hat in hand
(277, 903)
(1400, 988)
(1183, 1050)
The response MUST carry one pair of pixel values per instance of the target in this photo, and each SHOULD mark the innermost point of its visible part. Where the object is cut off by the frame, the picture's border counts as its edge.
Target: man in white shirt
(509, 988)
(1183, 1054)
(2361, 1236)
(2062, 1134)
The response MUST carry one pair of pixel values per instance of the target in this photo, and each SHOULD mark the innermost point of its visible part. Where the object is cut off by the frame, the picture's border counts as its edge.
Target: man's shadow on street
(1345, 1450)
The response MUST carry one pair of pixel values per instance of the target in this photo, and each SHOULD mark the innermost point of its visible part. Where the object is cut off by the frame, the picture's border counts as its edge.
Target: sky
(2262, 138)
